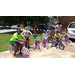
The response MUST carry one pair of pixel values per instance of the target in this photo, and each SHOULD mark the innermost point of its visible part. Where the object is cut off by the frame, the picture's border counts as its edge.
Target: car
(14, 27)
(42, 26)
(52, 27)
(7, 27)
(71, 30)
(1, 27)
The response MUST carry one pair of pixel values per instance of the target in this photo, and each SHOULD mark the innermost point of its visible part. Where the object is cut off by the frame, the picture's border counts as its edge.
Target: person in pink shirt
(35, 26)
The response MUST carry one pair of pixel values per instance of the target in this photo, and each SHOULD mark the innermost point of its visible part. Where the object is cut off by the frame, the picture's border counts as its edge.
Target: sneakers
(14, 56)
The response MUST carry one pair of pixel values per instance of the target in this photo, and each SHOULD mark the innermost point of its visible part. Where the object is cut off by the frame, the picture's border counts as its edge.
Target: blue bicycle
(59, 44)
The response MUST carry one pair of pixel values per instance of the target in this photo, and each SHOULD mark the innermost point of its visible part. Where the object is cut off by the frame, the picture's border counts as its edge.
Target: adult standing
(58, 28)
(36, 27)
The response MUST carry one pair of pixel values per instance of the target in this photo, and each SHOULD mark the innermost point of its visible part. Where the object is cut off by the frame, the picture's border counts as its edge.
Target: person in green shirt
(14, 41)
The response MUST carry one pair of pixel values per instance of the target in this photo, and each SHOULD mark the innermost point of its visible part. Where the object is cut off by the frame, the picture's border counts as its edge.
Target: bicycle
(37, 45)
(59, 43)
(67, 42)
(45, 42)
(25, 52)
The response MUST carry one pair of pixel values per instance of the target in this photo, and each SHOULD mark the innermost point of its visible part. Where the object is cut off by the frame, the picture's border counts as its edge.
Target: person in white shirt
(26, 34)
(58, 28)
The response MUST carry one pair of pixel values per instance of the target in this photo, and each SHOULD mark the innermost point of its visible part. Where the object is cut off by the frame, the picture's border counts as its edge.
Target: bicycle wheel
(69, 43)
(47, 45)
(34, 46)
(61, 46)
(39, 47)
(12, 49)
(25, 52)
(53, 44)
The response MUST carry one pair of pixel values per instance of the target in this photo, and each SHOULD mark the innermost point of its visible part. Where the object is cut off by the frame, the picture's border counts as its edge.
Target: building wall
(65, 20)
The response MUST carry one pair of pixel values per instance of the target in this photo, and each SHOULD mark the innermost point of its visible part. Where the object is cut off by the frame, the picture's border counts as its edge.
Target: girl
(56, 37)
(66, 35)
(35, 37)
(48, 32)
(44, 37)
(26, 34)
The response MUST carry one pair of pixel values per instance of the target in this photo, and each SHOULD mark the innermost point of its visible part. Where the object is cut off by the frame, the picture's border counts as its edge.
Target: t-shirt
(48, 31)
(29, 27)
(35, 26)
(58, 28)
(16, 36)
(26, 32)
(44, 35)
(34, 37)
(66, 33)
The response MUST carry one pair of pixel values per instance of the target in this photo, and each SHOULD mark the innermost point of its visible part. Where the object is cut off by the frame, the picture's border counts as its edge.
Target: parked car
(42, 26)
(14, 27)
(52, 27)
(71, 30)
(1, 27)
(7, 27)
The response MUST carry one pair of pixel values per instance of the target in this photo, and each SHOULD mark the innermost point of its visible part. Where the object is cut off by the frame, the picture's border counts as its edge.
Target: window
(72, 25)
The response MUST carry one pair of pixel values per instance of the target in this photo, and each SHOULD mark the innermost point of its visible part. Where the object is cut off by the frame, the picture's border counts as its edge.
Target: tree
(10, 20)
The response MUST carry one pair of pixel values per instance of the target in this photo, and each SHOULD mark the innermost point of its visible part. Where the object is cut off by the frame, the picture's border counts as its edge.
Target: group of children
(25, 35)
(45, 35)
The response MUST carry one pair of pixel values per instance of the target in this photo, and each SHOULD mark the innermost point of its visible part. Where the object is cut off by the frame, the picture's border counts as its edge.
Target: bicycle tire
(12, 49)
(34, 46)
(25, 52)
(47, 45)
(53, 44)
(69, 42)
(61, 46)
(39, 47)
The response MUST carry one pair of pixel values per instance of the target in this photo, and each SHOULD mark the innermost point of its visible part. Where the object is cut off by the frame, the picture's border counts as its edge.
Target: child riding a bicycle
(56, 37)
(35, 37)
(44, 37)
(66, 35)
(26, 34)
(49, 34)
(14, 41)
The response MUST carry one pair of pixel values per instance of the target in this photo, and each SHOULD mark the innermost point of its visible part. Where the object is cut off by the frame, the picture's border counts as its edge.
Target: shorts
(27, 38)
(66, 36)
(56, 38)
(35, 39)
(12, 42)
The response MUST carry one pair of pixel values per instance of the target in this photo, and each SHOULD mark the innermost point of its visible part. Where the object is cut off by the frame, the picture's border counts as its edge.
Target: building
(65, 20)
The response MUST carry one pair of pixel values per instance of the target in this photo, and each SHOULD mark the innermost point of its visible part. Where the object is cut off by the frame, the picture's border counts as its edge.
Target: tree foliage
(11, 20)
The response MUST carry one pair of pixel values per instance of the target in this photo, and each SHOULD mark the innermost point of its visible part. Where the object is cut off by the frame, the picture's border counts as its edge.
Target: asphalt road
(8, 30)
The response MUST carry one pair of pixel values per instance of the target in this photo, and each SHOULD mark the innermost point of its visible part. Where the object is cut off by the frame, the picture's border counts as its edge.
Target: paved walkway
(52, 52)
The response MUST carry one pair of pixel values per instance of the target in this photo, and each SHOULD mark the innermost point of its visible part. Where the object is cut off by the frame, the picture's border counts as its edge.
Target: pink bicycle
(45, 42)
(25, 52)
(66, 42)
(37, 45)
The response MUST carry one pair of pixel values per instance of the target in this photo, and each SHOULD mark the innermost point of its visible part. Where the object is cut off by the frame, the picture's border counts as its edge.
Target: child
(56, 37)
(26, 34)
(66, 35)
(44, 36)
(35, 37)
(48, 32)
